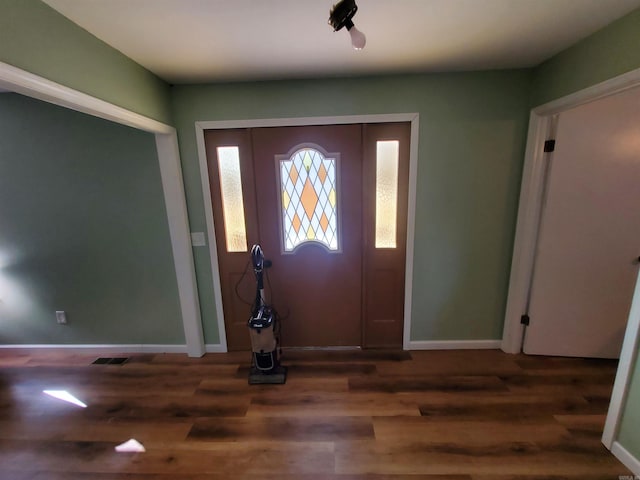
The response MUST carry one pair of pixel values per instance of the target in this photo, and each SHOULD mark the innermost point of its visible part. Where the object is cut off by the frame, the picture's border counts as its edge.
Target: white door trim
(626, 458)
(34, 86)
(524, 246)
(527, 231)
(628, 357)
(413, 118)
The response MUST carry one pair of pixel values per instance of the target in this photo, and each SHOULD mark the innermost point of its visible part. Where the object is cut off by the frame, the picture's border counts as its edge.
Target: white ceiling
(192, 41)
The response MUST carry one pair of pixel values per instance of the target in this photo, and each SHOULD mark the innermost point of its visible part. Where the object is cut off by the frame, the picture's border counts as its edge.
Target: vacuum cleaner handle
(257, 257)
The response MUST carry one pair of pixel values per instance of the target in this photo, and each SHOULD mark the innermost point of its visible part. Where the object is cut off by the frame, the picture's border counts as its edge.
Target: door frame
(34, 86)
(541, 127)
(201, 126)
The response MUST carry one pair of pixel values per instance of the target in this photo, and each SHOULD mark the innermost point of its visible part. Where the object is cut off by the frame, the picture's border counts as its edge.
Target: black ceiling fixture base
(342, 13)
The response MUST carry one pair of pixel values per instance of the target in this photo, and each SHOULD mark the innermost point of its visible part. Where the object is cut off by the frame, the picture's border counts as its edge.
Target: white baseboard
(103, 348)
(455, 344)
(215, 348)
(114, 348)
(219, 348)
(627, 459)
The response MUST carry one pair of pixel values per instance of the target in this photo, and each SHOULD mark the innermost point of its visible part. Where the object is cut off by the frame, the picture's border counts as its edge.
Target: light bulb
(358, 40)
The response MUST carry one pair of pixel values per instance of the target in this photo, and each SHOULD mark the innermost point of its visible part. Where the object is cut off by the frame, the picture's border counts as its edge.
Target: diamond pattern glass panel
(308, 195)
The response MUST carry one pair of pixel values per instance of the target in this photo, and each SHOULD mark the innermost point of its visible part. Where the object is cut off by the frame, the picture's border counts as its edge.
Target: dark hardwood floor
(342, 415)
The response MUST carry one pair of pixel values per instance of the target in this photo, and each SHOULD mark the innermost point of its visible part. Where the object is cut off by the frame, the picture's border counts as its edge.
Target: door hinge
(524, 319)
(549, 145)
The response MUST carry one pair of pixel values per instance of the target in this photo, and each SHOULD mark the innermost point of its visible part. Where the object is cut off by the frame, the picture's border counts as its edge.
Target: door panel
(232, 265)
(384, 268)
(590, 233)
(317, 291)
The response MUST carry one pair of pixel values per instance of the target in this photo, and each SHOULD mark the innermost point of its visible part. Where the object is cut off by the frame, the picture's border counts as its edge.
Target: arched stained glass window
(309, 199)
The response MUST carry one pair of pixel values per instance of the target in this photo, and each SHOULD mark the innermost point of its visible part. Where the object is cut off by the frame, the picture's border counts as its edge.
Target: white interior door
(587, 258)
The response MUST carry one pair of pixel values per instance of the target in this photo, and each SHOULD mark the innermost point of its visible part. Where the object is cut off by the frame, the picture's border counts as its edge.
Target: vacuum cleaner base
(277, 377)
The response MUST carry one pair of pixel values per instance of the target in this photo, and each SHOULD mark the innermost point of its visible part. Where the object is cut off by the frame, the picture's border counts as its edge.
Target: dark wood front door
(317, 287)
(309, 197)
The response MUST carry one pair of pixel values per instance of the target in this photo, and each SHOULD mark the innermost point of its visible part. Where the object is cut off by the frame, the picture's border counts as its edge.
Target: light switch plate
(198, 239)
(61, 317)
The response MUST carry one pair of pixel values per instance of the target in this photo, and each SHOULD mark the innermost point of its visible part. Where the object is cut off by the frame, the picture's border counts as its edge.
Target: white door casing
(526, 233)
(413, 118)
(34, 86)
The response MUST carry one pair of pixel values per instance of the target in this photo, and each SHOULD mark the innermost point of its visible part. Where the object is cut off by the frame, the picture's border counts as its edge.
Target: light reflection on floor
(65, 396)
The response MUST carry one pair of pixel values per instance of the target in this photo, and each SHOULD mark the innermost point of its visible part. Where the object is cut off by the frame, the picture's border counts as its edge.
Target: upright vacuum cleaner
(264, 329)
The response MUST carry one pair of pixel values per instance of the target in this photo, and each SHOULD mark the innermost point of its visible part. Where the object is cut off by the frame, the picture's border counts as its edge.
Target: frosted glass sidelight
(386, 193)
(309, 199)
(232, 201)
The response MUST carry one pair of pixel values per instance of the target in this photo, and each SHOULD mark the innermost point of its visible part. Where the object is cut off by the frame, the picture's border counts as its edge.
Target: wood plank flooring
(342, 415)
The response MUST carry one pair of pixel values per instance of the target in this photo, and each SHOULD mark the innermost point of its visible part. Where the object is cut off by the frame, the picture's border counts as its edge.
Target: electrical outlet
(61, 317)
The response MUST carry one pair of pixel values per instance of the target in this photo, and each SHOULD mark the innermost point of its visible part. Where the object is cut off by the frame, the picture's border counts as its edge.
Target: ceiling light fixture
(341, 15)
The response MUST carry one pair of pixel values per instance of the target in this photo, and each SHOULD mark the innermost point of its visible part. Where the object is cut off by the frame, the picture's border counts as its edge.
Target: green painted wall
(629, 436)
(472, 136)
(36, 38)
(609, 52)
(72, 242)
(83, 229)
